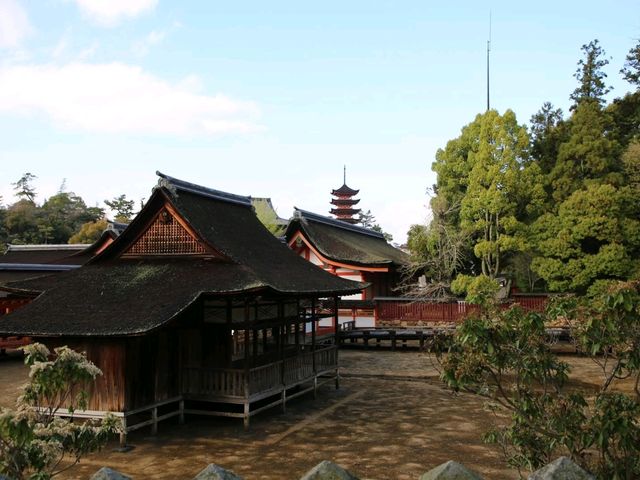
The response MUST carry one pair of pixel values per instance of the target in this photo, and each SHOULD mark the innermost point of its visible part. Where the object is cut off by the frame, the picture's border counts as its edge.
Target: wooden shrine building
(194, 308)
(348, 251)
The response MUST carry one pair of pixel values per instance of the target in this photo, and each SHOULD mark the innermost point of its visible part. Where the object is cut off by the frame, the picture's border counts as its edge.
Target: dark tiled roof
(117, 296)
(344, 190)
(345, 243)
(41, 254)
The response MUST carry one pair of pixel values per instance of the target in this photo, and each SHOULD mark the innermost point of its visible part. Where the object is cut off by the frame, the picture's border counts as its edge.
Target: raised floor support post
(181, 414)
(123, 433)
(246, 415)
(154, 419)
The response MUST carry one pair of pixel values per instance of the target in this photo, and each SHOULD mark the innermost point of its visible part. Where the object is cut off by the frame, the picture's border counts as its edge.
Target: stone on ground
(327, 470)
(215, 472)
(450, 471)
(562, 468)
(106, 473)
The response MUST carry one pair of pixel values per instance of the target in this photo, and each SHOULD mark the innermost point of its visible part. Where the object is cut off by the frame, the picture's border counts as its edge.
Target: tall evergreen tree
(547, 133)
(122, 207)
(24, 188)
(631, 69)
(591, 77)
(588, 154)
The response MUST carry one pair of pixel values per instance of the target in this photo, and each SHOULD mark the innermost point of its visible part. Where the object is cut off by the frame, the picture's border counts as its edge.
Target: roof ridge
(46, 246)
(315, 217)
(172, 184)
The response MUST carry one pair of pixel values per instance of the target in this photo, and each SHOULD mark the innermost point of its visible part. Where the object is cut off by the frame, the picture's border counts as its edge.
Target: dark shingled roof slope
(114, 296)
(42, 254)
(345, 243)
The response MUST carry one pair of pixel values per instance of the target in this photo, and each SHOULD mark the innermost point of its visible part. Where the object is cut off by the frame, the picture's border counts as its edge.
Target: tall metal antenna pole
(488, 50)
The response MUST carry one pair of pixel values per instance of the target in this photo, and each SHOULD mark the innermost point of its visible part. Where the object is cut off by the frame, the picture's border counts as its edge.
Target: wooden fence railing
(409, 310)
(230, 383)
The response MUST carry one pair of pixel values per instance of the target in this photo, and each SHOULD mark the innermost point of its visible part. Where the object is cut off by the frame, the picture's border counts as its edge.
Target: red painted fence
(411, 312)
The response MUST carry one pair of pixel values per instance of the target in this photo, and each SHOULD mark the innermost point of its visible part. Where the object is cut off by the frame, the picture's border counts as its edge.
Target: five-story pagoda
(344, 202)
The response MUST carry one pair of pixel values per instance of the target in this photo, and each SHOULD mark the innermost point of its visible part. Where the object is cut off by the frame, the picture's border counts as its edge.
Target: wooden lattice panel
(166, 236)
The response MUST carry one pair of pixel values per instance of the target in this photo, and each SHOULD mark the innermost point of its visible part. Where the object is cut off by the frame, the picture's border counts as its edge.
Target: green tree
(21, 222)
(594, 235)
(64, 213)
(89, 232)
(504, 190)
(589, 153)
(631, 165)
(24, 188)
(34, 442)
(631, 69)
(507, 358)
(625, 111)
(591, 77)
(453, 166)
(547, 133)
(438, 251)
(122, 207)
(368, 220)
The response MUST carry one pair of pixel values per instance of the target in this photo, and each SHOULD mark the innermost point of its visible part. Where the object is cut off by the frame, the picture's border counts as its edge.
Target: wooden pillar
(298, 324)
(254, 331)
(154, 419)
(247, 332)
(313, 333)
(229, 333)
(181, 414)
(247, 364)
(246, 415)
(336, 315)
(264, 340)
(279, 329)
(123, 433)
(336, 320)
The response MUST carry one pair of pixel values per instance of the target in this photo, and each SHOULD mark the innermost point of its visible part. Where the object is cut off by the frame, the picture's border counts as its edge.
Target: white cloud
(120, 98)
(142, 47)
(111, 12)
(14, 24)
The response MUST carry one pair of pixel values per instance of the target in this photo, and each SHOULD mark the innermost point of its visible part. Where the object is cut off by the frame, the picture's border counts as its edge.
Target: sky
(272, 99)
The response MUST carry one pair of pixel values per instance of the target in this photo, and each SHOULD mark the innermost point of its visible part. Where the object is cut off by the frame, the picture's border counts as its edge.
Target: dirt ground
(390, 419)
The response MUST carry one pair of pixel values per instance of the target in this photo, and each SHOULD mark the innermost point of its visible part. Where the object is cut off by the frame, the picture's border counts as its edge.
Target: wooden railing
(409, 310)
(223, 383)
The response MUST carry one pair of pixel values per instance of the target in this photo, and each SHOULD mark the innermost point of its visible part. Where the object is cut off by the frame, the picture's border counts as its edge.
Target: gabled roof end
(174, 185)
(304, 215)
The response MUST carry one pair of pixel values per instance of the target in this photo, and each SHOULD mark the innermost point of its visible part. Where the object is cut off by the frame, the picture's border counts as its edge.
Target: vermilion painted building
(350, 252)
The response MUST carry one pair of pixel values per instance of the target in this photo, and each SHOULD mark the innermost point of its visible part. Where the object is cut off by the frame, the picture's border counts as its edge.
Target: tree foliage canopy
(34, 442)
(557, 209)
(507, 357)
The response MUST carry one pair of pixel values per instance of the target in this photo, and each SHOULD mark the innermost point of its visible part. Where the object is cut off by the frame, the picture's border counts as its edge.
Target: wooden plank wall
(108, 392)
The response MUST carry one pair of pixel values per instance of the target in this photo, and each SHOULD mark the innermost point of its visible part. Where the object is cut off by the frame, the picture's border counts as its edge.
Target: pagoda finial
(344, 176)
